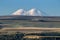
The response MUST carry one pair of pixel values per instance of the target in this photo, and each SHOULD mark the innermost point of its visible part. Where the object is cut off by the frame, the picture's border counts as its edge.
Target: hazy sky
(50, 7)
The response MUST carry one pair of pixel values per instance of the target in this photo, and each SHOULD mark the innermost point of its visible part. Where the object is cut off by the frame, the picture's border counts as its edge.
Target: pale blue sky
(50, 7)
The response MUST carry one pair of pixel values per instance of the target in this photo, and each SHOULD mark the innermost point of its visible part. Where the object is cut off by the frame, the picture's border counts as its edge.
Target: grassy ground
(23, 23)
(22, 36)
(32, 36)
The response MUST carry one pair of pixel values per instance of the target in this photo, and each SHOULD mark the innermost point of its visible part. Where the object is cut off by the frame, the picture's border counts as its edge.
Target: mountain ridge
(31, 12)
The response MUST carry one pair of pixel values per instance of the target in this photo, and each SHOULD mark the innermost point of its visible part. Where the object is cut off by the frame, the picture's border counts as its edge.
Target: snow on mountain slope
(19, 12)
(32, 12)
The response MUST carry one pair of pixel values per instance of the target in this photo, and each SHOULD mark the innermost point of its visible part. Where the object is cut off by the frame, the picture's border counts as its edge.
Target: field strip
(30, 29)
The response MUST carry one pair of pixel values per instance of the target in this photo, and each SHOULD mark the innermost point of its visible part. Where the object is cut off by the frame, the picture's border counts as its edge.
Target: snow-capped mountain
(19, 12)
(32, 12)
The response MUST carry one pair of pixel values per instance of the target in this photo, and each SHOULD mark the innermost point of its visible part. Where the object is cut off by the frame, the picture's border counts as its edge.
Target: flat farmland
(26, 23)
(29, 30)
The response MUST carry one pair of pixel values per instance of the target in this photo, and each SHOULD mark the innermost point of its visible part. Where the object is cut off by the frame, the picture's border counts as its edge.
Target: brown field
(31, 29)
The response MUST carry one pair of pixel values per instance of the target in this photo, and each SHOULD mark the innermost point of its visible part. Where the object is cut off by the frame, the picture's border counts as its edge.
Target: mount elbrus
(32, 15)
